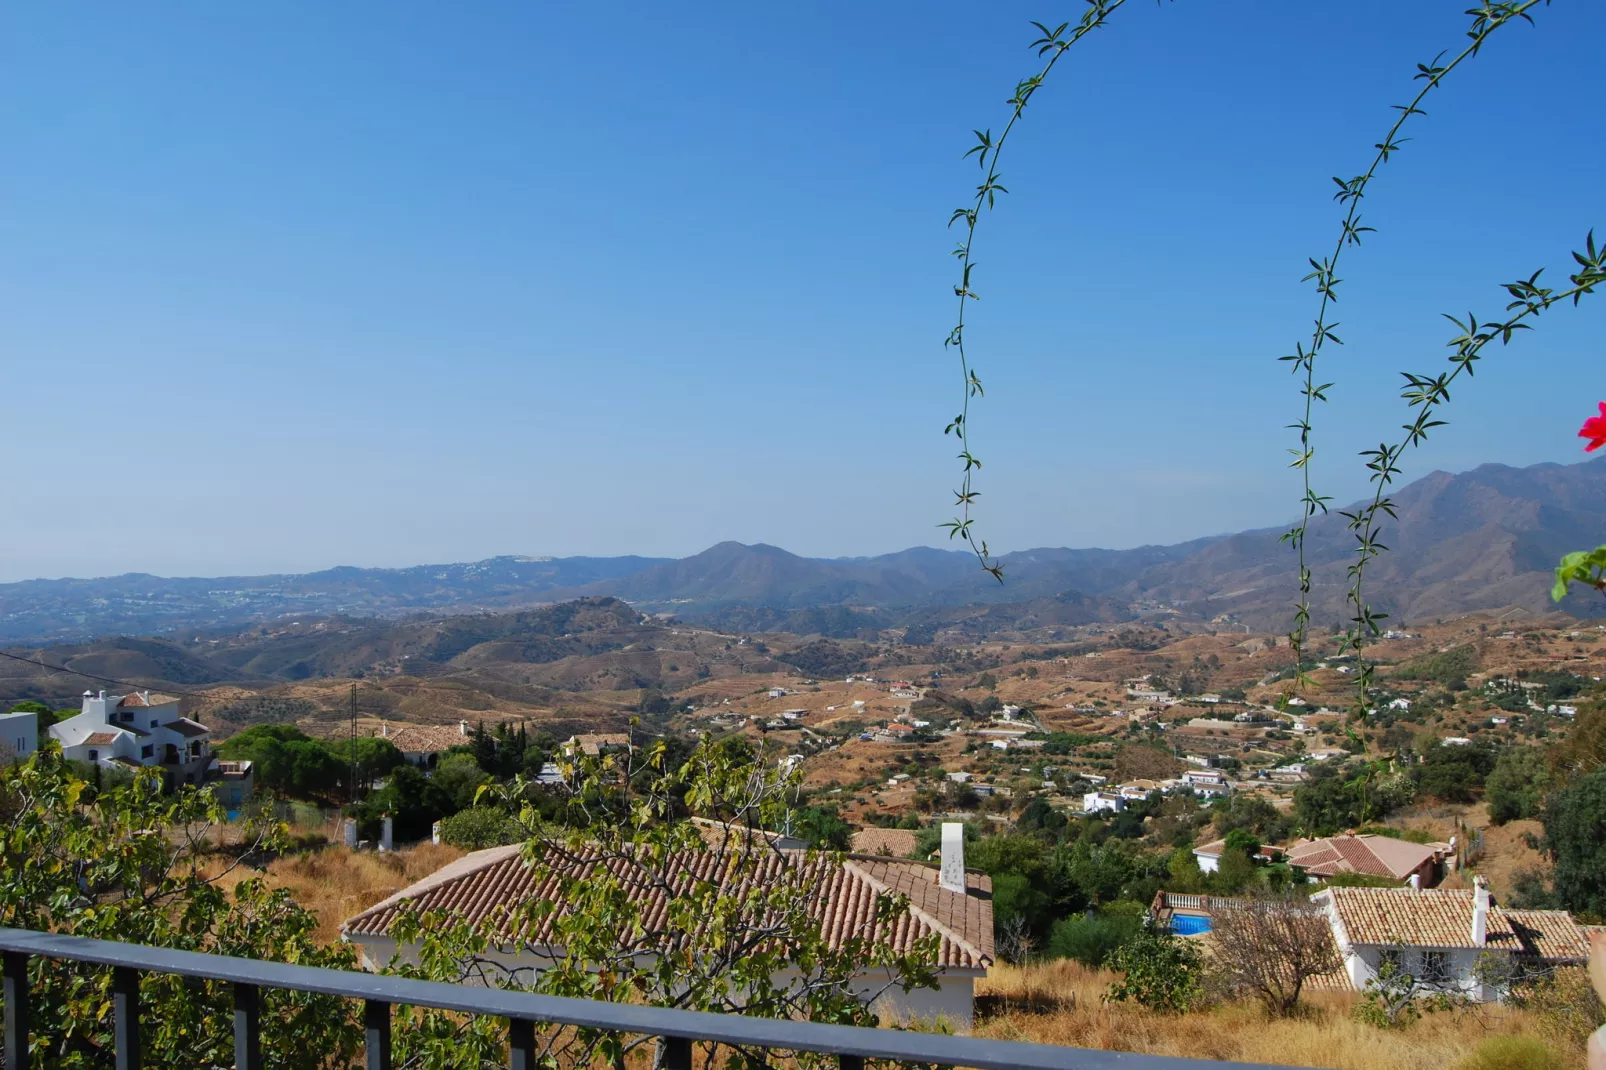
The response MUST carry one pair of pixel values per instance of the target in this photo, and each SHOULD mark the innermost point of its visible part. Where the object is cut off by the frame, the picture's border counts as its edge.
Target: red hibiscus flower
(1594, 429)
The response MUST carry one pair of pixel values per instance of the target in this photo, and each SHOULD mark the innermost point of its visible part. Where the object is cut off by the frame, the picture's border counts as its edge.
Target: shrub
(1566, 1006)
(480, 827)
(1160, 972)
(1512, 1053)
(1092, 941)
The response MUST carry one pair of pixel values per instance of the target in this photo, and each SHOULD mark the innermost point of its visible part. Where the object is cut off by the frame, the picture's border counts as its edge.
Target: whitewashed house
(1439, 936)
(134, 731)
(19, 736)
(946, 901)
(1094, 801)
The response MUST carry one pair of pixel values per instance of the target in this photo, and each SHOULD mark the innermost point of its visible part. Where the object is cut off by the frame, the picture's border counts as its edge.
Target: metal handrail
(680, 1028)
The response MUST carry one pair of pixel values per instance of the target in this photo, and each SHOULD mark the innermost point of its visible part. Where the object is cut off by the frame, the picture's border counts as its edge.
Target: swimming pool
(1189, 924)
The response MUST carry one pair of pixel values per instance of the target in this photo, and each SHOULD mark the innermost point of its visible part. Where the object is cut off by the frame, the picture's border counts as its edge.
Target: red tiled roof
(1551, 936)
(426, 738)
(592, 743)
(1405, 917)
(1376, 856)
(100, 739)
(888, 843)
(146, 698)
(187, 728)
(483, 885)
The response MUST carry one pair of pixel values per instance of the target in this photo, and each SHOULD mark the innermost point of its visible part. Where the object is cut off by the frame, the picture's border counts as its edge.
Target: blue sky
(284, 286)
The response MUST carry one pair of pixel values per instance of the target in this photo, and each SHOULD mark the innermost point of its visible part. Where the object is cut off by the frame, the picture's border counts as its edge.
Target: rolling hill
(1484, 539)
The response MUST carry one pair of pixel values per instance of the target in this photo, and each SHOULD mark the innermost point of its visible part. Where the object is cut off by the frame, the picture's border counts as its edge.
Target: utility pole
(354, 744)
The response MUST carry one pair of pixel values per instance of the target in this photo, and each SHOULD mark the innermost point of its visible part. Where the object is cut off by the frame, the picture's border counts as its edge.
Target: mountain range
(1483, 539)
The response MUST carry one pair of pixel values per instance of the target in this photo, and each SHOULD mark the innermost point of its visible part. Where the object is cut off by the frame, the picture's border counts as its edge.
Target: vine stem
(1486, 19)
(1426, 394)
(1054, 44)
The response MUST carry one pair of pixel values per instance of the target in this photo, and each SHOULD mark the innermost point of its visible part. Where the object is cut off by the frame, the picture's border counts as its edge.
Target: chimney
(1480, 911)
(953, 857)
(384, 730)
(462, 727)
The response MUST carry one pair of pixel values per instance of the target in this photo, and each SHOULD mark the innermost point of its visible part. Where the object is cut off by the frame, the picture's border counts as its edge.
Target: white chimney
(1416, 882)
(462, 727)
(1480, 911)
(385, 842)
(953, 857)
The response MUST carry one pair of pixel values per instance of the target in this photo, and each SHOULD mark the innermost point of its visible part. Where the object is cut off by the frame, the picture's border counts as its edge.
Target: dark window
(1435, 967)
(94, 755)
(147, 751)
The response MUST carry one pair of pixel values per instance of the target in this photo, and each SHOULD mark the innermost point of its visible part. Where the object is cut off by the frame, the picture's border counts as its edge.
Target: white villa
(145, 730)
(19, 736)
(947, 902)
(1439, 935)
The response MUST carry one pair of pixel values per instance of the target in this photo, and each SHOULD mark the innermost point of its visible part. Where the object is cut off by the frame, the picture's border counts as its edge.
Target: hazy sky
(289, 285)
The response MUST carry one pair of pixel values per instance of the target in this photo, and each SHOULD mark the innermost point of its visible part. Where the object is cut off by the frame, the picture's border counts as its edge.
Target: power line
(91, 676)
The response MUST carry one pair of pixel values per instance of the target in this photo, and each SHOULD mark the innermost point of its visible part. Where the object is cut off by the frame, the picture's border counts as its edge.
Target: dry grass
(1326, 1036)
(335, 883)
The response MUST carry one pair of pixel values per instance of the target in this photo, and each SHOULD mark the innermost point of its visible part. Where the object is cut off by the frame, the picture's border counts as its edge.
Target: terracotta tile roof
(426, 738)
(482, 885)
(888, 843)
(592, 743)
(187, 728)
(1376, 856)
(146, 698)
(100, 739)
(1404, 917)
(1550, 936)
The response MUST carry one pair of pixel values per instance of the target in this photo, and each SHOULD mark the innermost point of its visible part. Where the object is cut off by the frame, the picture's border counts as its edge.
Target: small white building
(1094, 801)
(948, 902)
(138, 730)
(1440, 935)
(19, 736)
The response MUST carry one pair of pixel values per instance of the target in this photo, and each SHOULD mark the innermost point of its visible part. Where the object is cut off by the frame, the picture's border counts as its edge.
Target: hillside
(1484, 539)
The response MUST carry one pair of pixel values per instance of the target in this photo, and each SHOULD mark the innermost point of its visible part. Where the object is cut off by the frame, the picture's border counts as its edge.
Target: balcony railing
(680, 1029)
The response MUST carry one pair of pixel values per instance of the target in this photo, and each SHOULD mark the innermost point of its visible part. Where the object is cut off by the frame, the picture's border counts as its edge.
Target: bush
(1512, 1053)
(1566, 1006)
(1161, 972)
(1092, 941)
(480, 827)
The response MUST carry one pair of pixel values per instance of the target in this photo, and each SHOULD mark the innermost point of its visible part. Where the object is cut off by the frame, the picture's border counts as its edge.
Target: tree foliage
(1575, 832)
(130, 865)
(1159, 971)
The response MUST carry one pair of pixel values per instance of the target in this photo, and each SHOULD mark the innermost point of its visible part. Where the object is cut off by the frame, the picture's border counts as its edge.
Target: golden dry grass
(1327, 1036)
(335, 883)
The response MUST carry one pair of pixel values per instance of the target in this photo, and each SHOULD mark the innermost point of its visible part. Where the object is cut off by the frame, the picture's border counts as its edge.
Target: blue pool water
(1189, 924)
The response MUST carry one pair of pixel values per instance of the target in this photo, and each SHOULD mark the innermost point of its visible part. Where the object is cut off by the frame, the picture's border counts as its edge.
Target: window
(94, 755)
(154, 722)
(1435, 967)
(127, 716)
(1390, 956)
(147, 751)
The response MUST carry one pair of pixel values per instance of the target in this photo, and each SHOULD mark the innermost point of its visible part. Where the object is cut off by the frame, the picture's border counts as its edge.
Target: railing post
(520, 1044)
(850, 1062)
(674, 1053)
(376, 1019)
(247, 1027)
(15, 969)
(125, 1003)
